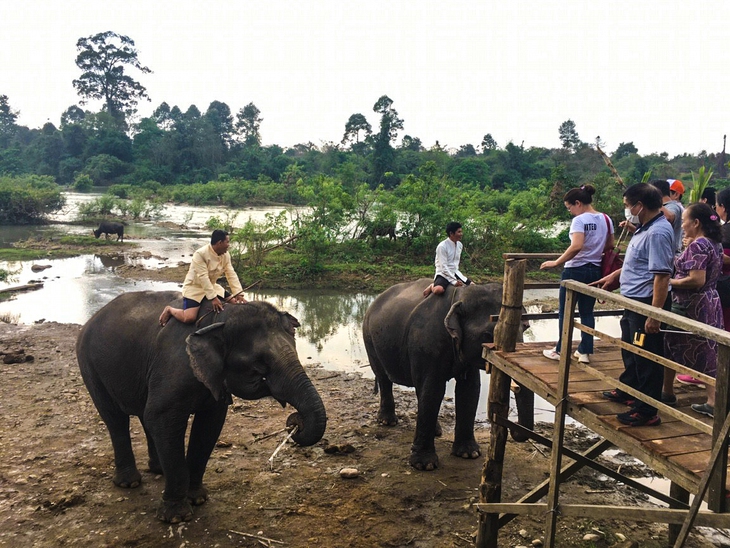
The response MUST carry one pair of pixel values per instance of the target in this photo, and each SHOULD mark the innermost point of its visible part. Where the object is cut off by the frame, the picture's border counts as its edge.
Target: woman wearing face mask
(591, 233)
(694, 295)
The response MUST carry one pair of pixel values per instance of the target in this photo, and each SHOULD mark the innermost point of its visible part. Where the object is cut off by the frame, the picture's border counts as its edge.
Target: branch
(611, 167)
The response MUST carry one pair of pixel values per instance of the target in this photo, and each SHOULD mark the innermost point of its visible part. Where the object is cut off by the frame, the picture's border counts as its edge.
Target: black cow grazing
(376, 231)
(109, 227)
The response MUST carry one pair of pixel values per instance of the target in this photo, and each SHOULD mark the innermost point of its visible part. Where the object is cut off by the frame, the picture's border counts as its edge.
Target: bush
(83, 183)
(28, 199)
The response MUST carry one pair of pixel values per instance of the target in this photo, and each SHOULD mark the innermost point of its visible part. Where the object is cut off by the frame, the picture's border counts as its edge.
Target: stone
(349, 473)
(591, 537)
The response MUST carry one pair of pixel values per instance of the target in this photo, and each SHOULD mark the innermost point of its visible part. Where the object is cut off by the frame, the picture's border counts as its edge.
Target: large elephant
(424, 342)
(132, 366)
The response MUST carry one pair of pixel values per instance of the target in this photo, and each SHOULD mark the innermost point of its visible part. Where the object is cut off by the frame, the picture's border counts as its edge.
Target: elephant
(132, 366)
(424, 342)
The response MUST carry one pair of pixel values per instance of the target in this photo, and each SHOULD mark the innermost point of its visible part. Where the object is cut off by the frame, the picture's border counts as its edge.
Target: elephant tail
(375, 388)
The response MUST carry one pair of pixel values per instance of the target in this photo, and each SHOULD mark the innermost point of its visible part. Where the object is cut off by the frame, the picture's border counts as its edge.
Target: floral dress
(702, 304)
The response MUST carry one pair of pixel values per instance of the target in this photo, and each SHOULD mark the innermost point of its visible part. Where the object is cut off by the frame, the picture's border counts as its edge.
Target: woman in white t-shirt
(591, 233)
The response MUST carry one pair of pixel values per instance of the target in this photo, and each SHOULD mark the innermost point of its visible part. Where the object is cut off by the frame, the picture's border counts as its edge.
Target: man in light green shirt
(209, 263)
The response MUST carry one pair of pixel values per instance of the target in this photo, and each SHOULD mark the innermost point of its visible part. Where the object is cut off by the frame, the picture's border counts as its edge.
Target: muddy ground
(56, 464)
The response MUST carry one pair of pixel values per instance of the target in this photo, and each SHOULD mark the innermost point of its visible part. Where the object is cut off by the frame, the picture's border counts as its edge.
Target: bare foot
(427, 291)
(165, 316)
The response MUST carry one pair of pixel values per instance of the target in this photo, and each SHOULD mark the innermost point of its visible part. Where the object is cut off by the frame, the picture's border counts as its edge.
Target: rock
(621, 537)
(349, 473)
(536, 542)
(39, 267)
(591, 537)
(524, 533)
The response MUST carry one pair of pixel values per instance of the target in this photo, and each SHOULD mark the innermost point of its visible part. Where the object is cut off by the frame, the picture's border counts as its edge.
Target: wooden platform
(678, 451)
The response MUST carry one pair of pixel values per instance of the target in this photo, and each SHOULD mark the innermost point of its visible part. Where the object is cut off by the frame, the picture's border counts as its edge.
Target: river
(75, 288)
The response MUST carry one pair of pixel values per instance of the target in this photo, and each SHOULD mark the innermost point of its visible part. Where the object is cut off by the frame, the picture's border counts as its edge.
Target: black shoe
(619, 397)
(704, 409)
(669, 399)
(633, 418)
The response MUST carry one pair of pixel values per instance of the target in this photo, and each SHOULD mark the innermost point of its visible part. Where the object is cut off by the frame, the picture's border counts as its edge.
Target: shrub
(28, 199)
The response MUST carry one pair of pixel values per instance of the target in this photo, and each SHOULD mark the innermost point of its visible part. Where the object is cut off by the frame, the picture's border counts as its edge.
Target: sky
(654, 73)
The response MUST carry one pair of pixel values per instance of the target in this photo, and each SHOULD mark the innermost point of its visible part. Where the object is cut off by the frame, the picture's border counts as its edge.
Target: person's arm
(576, 244)
(670, 215)
(610, 242)
(661, 290)
(233, 282)
(694, 280)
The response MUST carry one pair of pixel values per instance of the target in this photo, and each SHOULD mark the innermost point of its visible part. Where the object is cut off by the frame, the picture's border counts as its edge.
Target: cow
(109, 227)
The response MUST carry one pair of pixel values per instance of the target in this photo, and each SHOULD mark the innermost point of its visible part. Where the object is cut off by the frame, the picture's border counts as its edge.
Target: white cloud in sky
(649, 72)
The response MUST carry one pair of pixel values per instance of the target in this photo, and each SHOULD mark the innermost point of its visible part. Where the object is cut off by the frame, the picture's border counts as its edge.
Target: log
(18, 288)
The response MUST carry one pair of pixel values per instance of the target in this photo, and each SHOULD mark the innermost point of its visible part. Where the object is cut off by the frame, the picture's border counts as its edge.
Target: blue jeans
(586, 274)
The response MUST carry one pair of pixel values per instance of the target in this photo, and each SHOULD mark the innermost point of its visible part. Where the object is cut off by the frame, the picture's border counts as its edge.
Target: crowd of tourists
(677, 259)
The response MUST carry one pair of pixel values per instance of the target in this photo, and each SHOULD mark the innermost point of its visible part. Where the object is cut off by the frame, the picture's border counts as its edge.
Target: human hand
(606, 280)
(629, 226)
(459, 283)
(548, 264)
(652, 325)
(217, 305)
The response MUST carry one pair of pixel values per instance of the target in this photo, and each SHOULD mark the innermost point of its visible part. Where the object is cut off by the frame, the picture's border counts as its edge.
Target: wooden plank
(679, 446)
(623, 513)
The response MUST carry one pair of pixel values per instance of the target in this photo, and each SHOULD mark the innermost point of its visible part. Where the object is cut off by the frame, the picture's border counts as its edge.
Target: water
(75, 288)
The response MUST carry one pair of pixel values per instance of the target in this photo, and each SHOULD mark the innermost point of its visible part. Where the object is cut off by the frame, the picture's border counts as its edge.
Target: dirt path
(56, 464)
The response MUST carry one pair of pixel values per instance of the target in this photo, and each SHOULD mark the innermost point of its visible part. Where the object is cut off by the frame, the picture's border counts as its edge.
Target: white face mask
(633, 219)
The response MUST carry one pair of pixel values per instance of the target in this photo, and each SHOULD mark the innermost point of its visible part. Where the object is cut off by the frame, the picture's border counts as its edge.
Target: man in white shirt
(448, 255)
(209, 263)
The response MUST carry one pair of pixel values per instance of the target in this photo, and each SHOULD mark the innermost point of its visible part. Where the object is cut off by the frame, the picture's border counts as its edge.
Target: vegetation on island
(348, 197)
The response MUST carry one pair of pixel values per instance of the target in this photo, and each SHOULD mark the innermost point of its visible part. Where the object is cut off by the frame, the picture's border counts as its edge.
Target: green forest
(377, 180)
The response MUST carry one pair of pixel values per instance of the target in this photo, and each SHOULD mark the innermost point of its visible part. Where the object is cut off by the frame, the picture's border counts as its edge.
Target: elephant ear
(289, 323)
(453, 324)
(206, 358)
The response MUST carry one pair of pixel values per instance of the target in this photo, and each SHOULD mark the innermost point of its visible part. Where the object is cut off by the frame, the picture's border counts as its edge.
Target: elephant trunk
(297, 390)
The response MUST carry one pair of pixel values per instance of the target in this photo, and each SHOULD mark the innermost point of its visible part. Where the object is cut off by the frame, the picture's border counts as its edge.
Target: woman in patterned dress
(694, 291)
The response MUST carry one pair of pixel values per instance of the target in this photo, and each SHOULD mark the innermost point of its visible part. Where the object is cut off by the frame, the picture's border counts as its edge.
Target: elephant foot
(154, 467)
(466, 450)
(129, 479)
(175, 511)
(424, 460)
(198, 496)
(387, 418)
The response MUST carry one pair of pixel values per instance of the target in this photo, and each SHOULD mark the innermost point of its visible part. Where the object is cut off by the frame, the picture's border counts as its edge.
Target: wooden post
(506, 334)
(716, 497)
(566, 348)
(682, 495)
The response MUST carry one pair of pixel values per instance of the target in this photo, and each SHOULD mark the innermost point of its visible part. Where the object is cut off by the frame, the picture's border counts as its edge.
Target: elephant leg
(206, 429)
(386, 413)
(126, 473)
(525, 400)
(423, 451)
(153, 459)
(467, 401)
(168, 436)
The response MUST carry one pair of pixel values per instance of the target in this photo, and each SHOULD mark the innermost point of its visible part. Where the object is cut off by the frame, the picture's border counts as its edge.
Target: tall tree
(248, 124)
(354, 126)
(568, 135)
(488, 143)
(383, 152)
(102, 59)
(7, 120)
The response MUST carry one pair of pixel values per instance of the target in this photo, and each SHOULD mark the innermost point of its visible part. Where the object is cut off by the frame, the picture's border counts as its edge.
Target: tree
(624, 149)
(248, 124)
(488, 143)
(354, 126)
(383, 153)
(568, 135)
(102, 59)
(219, 115)
(7, 120)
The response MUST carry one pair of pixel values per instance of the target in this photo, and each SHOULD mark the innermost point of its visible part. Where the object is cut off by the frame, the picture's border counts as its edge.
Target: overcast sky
(651, 72)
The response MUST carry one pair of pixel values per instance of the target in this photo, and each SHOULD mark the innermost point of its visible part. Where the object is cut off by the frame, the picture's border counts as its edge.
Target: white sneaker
(582, 358)
(551, 354)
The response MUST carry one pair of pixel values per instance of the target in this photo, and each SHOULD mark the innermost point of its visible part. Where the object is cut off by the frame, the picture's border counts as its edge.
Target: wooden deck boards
(676, 450)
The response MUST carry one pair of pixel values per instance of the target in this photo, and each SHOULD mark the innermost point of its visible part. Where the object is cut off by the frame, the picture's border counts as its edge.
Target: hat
(676, 185)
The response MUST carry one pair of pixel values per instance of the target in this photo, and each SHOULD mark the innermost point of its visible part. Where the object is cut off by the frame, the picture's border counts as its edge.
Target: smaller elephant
(424, 342)
(165, 375)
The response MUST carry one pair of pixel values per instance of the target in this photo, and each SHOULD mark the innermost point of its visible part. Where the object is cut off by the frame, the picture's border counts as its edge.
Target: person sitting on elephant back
(209, 263)
(448, 255)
